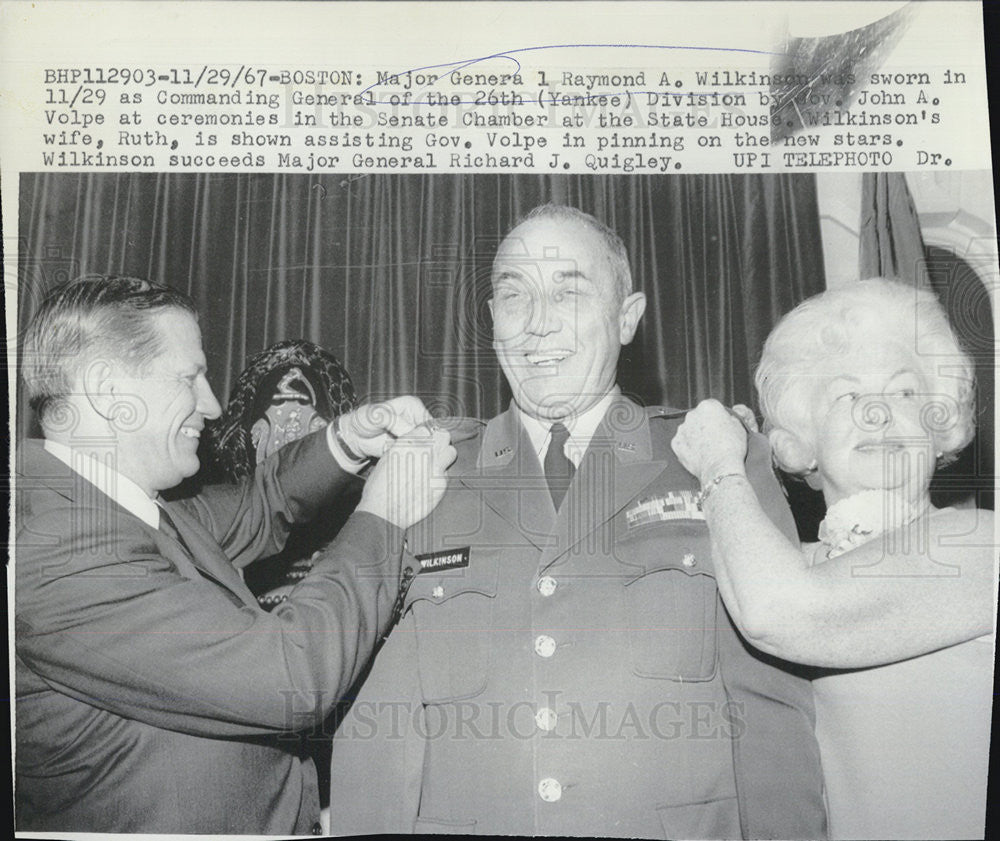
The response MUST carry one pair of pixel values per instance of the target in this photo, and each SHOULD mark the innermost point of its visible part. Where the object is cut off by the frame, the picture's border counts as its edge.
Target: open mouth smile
(543, 359)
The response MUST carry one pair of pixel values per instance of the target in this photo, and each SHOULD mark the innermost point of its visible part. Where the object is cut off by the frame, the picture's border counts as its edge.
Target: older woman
(864, 390)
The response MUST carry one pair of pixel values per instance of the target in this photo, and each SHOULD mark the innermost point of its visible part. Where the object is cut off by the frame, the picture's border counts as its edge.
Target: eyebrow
(507, 275)
(898, 372)
(573, 274)
(561, 275)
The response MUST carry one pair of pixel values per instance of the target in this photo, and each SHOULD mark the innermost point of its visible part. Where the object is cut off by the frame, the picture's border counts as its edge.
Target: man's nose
(207, 405)
(543, 319)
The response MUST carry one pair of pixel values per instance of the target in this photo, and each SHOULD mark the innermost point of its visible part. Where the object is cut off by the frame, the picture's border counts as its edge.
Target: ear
(99, 386)
(792, 453)
(814, 480)
(628, 317)
(489, 303)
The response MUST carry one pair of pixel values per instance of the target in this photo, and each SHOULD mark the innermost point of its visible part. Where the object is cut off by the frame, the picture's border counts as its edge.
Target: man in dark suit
(564, 665)
(152, 691)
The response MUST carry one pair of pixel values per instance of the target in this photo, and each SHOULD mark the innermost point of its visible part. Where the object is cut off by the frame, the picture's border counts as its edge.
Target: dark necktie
(559, 470)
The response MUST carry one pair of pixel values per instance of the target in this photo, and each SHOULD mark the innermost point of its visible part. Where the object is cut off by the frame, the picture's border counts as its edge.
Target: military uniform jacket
(153, 692)
(575, 673)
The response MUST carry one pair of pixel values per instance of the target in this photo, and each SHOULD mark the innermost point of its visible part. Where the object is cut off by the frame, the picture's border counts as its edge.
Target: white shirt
(339, 455)
(108, 481)
(128, 494)
(581, 429)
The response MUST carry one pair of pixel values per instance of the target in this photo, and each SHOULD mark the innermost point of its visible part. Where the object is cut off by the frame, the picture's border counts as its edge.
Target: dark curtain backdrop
(890, 244)
(391, 273)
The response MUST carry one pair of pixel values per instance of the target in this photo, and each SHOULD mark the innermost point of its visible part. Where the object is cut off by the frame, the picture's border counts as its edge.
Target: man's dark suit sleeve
(103, 617)
(251, 520)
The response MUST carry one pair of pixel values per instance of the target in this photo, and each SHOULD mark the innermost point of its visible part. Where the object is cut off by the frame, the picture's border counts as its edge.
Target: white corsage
(862, 516)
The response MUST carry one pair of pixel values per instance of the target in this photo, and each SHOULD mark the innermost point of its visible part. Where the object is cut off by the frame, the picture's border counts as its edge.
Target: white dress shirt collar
(581, 429)
(129, 495)
(108, 481)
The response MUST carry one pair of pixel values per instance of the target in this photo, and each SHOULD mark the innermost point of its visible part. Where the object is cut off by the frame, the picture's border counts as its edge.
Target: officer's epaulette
(665, 412)
(460, 429)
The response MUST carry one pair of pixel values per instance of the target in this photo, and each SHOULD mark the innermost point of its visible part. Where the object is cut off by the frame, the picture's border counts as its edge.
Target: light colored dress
(905, 746)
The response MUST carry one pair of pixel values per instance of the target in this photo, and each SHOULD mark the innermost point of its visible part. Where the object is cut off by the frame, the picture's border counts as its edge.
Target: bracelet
(707, 489)
(349, 454)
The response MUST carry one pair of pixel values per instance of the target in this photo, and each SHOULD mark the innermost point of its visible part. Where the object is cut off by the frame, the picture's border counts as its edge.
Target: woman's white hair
(839, 321)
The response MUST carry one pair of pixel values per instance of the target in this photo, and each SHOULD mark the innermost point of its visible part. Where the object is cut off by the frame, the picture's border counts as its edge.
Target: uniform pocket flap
(690, 555)
(674, 635)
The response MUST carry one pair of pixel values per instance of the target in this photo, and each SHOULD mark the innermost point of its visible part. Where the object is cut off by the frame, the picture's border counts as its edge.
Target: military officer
(564, 665)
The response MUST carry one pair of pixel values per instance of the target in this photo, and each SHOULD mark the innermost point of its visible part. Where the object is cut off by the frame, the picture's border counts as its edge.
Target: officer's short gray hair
(613, 245)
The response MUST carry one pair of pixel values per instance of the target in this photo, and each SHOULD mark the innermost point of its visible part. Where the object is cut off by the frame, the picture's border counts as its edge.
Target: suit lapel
(205, 554)
(174, 552)
(203, 559)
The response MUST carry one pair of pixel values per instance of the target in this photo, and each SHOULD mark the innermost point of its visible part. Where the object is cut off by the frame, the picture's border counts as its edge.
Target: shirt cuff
(347, 464)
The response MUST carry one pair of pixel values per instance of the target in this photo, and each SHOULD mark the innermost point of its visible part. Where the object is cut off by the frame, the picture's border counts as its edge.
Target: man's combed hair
(92, 317)
(617, 253)
(840, 321)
